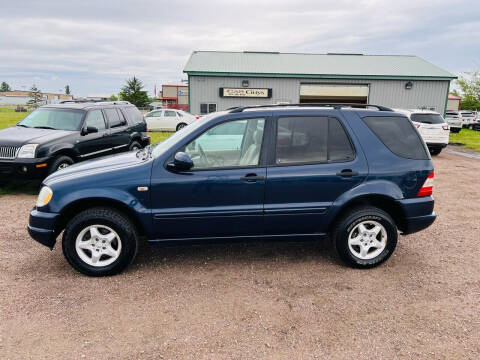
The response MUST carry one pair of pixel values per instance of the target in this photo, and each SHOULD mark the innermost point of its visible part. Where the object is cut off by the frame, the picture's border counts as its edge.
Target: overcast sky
(95, 45)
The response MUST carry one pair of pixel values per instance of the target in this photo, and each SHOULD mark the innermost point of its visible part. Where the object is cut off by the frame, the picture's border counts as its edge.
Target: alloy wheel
(98, 245)
(367, 239)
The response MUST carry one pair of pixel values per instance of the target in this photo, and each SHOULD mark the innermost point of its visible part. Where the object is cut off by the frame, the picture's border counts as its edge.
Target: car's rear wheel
(365, 237)
(181, 126)
(435, 151)
(61, 162)
(455, 130)
(135, 146)
(100, 242)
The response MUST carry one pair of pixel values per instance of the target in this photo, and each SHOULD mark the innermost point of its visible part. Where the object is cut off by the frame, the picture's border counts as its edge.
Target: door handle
(347, 173)
(251, 178)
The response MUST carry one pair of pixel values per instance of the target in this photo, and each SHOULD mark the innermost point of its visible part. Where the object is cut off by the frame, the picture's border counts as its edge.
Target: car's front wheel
(181, 126)
(100, 242)
(60, 162)
(365, 237)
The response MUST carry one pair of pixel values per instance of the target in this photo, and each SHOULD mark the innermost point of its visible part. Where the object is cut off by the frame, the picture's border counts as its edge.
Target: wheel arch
(74, 208)
(383, 202)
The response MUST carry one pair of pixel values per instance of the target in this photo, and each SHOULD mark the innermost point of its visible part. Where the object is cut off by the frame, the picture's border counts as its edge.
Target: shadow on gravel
(224, 253)
(12, 188)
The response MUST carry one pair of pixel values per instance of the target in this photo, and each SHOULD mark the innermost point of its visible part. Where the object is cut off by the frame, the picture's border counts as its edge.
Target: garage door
(335, 93)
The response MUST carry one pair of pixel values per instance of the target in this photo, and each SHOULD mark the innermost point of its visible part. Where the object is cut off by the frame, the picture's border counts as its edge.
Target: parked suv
(296, 172)
(56, 136)
(454, 120)
(431, 126)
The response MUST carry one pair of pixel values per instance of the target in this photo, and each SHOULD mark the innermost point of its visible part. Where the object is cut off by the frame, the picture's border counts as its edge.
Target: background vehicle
(54, 137)
(468, 118)
(431, 126)
(454, 120)
(168, 119)
(297, 172)
(476, 125)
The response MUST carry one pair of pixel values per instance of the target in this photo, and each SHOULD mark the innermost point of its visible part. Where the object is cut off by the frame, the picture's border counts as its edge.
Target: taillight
(197, 117)
(427, 188)
(446, 127)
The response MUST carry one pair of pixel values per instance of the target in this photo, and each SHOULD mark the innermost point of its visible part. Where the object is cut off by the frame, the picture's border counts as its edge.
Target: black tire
(435, 151)
(107, 217)
(347, 224)
(59, 163)
(135, 146)
(181, 126)
(455, 130)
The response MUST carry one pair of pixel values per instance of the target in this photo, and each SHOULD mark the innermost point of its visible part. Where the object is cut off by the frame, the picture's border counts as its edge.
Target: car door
(314, 163)
(95, 143)
(154, 120)
(119, 136)
(222, 195)
(170, 119)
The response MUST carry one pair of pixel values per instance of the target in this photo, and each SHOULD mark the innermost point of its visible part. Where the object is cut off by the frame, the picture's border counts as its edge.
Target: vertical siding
(392, 93)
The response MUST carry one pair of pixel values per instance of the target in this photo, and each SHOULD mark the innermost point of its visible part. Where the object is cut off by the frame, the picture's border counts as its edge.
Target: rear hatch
(431, 127)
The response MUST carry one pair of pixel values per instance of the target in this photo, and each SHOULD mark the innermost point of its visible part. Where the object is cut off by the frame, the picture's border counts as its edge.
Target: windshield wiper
(23, 125)
(44, 127)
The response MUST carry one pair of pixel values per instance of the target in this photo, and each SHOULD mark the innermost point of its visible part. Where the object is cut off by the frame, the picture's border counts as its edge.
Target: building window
(206, 108)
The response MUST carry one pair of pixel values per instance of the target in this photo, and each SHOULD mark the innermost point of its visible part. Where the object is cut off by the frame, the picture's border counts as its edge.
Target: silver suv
(454, 120)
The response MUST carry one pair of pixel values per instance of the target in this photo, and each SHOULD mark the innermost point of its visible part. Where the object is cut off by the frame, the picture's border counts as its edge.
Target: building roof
(454, 97)
(274, 64)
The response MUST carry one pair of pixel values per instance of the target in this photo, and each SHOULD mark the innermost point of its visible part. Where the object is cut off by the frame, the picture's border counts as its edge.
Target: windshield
(55, 119)
(160, 148)
(427, 118)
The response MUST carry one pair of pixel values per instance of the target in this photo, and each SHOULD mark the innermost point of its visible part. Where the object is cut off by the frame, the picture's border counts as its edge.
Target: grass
(8, 117)
(469, 139)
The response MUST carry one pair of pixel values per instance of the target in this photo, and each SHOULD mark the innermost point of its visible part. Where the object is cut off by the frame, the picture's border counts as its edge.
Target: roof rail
(334, 105)
(75, 101)
(113, 103)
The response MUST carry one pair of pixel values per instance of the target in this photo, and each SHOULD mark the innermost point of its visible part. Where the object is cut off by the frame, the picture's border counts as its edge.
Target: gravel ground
(287, 301)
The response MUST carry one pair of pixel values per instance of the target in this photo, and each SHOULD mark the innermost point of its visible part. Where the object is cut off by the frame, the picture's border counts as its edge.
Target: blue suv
(356, 173)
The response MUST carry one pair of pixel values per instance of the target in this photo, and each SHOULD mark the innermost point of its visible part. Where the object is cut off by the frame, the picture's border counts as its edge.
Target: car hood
(18, 136)
(100, 166)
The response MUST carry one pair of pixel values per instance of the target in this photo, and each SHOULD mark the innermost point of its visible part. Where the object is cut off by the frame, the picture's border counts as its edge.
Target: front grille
(8, 152)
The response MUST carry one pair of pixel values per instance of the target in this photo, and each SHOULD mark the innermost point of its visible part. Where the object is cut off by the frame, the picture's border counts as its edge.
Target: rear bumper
(42, 227)
(437, 145)
(418, 213)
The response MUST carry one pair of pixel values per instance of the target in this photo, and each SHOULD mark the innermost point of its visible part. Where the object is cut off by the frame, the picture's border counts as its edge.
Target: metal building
(220, 80)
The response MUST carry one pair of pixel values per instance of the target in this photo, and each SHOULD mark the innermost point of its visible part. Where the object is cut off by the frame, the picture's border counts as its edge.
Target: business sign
(246, 93)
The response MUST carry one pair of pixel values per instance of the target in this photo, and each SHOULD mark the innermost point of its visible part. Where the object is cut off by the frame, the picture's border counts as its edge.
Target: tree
(36, 96)
(5, 87)
(470, 90)
(67, 89)
(133, 92)
(113, 97)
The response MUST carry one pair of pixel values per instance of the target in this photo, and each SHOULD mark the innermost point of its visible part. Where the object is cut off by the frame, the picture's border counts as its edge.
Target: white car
(168, 119)
(431, 126)
(454, 120)
(468, 118)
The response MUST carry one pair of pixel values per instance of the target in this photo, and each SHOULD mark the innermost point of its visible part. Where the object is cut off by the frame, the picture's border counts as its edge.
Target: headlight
(27, 151)
(44, 196)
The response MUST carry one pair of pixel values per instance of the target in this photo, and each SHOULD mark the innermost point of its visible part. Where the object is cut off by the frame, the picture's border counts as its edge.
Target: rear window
(135, 116)
(427, 118)
(399, 135)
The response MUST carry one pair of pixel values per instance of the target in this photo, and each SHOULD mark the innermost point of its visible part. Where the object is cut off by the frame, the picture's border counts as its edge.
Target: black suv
(56, 136)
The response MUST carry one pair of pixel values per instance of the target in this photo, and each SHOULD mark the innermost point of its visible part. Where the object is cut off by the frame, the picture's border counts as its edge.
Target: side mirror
(89, 130)
(181, 162)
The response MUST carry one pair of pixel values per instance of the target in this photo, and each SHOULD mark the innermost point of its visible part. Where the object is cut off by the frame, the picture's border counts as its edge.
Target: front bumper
(418, 213)
(42, 227)
(24, 169)
(436, 145)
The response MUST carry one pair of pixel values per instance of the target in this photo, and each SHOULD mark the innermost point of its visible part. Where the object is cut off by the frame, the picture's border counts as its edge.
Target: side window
(170, 113)
(235, 143)
(95, 119)
(206, 108)
(123, 120)
(302, 140)
(113, 118)
(399, 135)
(154, 114)
(339, 146)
